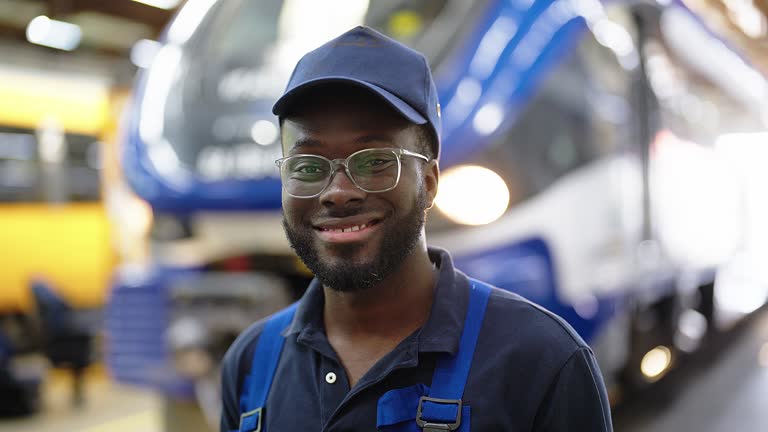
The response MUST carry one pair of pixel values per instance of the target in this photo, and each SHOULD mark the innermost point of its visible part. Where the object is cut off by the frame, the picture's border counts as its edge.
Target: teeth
(348, 229)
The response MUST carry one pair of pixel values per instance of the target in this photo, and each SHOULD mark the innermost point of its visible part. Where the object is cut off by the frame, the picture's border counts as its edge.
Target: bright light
(161, 4)
(656, 362)
(692, 44)
(159, 82)
(264, 132)
(188, 20)
(38, 29)
(697, 192)
(54, 34)
(144, 51)
(472, 195)
(737, 291)
(468, 91)
(492, 46)
(164, 159)
(488, 119)
(325, 20)
(747, 154)
(613, 36)
(747, 16)
(756, 141)
(161, 78)
(691, 329)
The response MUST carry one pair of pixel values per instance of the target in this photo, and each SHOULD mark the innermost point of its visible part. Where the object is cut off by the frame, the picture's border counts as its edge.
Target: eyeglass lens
(372, 170)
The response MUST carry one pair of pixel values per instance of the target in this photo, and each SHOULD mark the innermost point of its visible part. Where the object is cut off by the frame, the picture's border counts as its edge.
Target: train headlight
(656, 363)
(472, 195)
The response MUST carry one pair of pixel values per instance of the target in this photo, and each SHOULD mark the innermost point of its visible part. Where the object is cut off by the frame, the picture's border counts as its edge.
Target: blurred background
(604, 159)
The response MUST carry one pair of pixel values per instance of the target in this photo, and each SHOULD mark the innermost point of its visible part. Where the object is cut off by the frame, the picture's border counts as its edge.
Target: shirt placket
(333, 386)
(403, 356)
(330, 377)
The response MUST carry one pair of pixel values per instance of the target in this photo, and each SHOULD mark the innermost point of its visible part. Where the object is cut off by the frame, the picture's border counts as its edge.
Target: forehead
(341, 117)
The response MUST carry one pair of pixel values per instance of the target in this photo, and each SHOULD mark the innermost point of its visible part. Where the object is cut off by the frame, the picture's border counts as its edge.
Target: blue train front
(552, 116)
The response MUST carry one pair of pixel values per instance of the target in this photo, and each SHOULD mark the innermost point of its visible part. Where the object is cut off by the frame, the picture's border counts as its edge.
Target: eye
(308, 169)
(374, 162)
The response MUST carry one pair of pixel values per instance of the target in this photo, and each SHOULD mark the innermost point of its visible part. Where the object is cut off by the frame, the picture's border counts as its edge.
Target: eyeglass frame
(335, 163)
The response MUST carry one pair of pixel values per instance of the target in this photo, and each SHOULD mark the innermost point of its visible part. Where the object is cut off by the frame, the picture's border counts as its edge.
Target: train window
(40, 167)
(579, 114)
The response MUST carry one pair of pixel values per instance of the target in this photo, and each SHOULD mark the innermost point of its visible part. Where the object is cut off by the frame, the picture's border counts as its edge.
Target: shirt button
(330, 377)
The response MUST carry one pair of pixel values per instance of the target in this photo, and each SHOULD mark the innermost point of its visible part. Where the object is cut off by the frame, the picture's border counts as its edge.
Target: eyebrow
(374, 138)
(306, 142)
(365, 139)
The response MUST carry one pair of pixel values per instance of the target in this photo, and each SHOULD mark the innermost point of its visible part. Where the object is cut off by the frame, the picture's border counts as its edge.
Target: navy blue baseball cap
(366, 58)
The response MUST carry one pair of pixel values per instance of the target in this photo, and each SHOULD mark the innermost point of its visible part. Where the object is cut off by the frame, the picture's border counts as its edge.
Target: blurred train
(579, 169)
(52, 219)
(54, 229)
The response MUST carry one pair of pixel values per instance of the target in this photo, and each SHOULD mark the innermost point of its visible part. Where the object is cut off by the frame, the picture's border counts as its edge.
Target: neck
(395, 307)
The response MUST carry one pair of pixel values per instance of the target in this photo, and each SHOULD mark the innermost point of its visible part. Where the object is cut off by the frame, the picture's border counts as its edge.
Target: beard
(346, 275)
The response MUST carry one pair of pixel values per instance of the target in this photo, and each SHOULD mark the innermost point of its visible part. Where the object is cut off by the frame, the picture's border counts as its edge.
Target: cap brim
(283, 105)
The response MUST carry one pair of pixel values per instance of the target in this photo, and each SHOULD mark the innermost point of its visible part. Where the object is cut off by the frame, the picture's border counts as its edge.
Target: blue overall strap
(265, 359)
(442, 409)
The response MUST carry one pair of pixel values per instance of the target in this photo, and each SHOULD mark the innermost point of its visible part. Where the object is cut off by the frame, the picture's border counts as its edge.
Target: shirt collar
(441, 332)
(309, 313)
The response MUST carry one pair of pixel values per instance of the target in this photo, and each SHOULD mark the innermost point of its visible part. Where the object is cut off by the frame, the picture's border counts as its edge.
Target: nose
(341, 191)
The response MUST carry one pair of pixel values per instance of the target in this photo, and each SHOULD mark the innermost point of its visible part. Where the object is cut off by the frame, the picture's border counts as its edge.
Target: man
(389, 335)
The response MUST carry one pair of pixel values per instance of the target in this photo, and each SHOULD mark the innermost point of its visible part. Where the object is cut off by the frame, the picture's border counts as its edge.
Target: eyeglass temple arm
(410, 153)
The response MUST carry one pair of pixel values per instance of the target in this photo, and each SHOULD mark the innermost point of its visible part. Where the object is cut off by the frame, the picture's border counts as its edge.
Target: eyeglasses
(371, 170)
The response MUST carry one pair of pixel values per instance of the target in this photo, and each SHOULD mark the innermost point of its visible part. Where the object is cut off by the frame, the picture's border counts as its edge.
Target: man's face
(387, 226)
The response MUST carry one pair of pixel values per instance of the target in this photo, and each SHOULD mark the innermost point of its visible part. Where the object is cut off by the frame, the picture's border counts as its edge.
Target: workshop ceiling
(111, 27)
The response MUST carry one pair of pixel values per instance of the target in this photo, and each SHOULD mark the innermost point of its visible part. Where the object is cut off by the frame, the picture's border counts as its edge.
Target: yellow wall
(67, 244)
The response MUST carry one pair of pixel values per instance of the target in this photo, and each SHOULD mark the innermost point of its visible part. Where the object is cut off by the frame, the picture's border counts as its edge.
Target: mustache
(340, 212)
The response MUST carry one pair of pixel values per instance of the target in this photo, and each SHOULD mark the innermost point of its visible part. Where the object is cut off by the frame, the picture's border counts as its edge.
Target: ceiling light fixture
(54, 34)
(160, 4)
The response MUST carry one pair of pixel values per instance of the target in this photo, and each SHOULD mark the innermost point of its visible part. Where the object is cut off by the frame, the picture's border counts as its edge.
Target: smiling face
(351, 239)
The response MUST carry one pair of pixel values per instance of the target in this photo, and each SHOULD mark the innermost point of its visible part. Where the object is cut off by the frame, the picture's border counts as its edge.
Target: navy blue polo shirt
(531, 371)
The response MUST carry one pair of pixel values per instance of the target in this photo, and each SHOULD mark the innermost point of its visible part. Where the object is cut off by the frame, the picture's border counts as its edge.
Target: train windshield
(207, 99)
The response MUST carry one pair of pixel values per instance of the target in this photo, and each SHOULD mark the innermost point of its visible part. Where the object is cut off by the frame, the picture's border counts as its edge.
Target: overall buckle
(251, 421)
(430, 426)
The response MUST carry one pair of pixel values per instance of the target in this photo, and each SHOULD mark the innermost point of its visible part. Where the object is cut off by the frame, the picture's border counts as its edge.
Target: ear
(431, 180)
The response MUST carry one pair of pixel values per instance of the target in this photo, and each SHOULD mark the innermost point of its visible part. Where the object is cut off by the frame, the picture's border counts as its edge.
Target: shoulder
(234, 367)
(243, 346)
(237, 361)
(245, 343)
(241, 350)
(528, 330)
